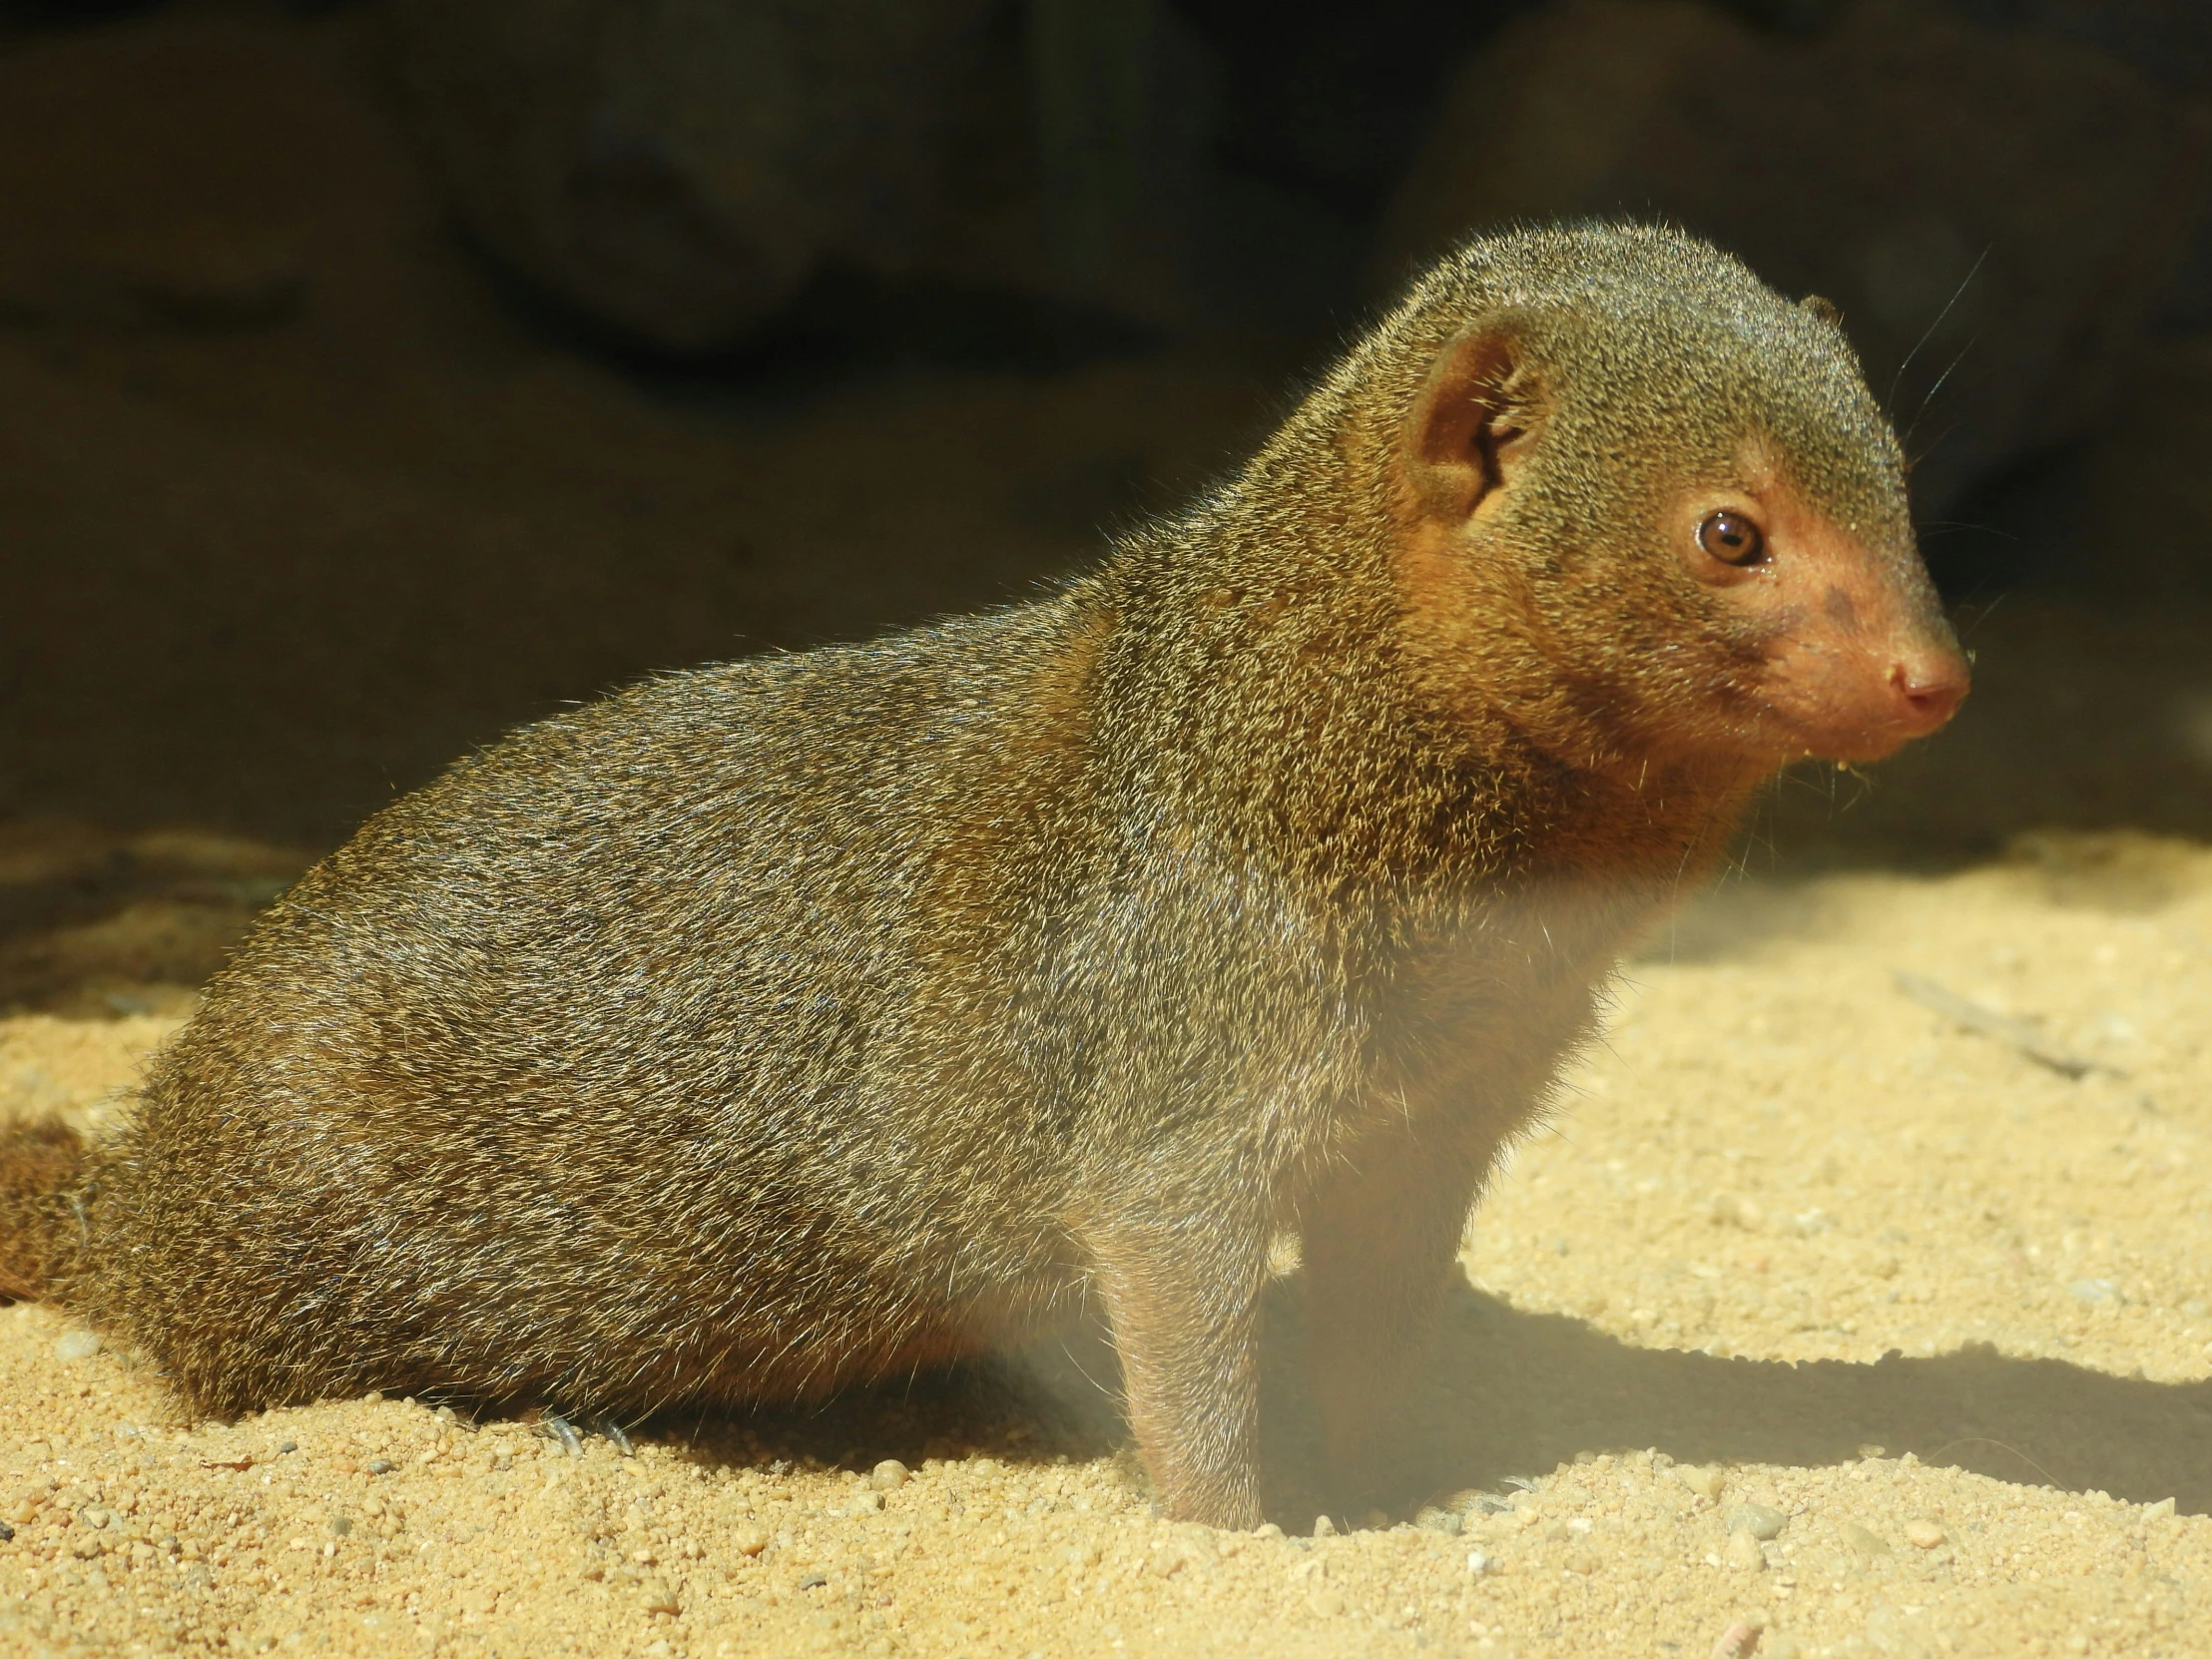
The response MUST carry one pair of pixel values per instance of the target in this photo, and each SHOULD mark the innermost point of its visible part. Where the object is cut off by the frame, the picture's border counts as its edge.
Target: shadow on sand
(1508, 1393)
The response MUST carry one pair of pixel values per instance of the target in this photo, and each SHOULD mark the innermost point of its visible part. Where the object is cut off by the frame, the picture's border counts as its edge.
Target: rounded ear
(1473, 422)
(1823, 308)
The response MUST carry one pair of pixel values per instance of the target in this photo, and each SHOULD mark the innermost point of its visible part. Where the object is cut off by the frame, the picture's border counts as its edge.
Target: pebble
(1731, 1211)
(1327, 1601)
(1862, 1540)
(1744, 1553)
(1706, 1482)
(1924, 1534)
(379, 1465)
(1323, 1527)
(868, 1503)
(660, 1597)
(890, 1476)
(2091, 1290)
(75, 1345)
(1762, 1520)
(748, 1540)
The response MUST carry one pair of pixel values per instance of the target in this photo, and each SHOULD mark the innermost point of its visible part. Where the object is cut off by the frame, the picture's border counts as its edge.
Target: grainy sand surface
(1813, 1314)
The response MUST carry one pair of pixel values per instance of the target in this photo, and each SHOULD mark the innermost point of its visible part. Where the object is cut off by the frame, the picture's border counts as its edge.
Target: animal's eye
(1732, 538)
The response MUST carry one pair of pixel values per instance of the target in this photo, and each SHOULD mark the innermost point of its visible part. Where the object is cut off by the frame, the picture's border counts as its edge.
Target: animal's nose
(1929, 685)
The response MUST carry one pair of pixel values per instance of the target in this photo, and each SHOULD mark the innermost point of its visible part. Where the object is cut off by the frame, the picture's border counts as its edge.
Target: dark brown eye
(1732, 538)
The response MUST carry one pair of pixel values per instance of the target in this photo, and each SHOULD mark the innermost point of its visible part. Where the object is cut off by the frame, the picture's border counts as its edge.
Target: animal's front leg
(1378, 1239)
(1182, 1292)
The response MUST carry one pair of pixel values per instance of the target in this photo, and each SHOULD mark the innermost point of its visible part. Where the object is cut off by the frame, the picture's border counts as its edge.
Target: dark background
(374, 376)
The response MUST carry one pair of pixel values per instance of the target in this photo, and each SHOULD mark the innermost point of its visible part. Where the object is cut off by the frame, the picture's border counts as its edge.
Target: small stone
(888, 1475)
(1924, 1534)
(1436, 1519)
(1478, 1563)
(748, 1540)
(7, 1533)
(1762, 1520)
(2163, 1509)
(1323, 1527)
(1166, 1562)
(1860, 1540)
(85, 1547)
(1327, 1601)
(379, 1465)
(75, 1345)
(284, 1447)
(1732, 1211)
(341, 1524)
(660, 1597)
(1701, 1479)
(1266, 1529)
(1744, 1554)
(2091, 1290)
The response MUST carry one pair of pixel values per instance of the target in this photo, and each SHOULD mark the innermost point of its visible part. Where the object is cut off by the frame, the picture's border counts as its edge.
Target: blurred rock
(131, 204)
(1997, 212)
(679, 167)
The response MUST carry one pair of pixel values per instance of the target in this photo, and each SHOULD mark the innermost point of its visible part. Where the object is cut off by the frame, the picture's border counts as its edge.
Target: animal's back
(607, 1069)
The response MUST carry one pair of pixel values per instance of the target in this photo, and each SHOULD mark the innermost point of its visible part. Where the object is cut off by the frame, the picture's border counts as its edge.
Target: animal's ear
(1823, 308)
(1473, 423)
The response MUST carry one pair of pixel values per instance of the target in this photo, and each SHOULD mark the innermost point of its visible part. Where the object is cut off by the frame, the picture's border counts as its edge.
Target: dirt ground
(1816, 1310)
(1820, 1313)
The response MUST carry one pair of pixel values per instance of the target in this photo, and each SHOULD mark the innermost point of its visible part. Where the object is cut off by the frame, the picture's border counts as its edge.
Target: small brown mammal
(810, 1018)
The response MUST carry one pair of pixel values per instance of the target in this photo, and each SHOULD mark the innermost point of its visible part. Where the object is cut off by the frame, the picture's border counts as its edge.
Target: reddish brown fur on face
(1856, 665)
(803, 1020)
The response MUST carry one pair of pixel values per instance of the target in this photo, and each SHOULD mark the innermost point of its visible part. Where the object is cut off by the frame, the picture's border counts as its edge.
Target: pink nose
(1929, 685)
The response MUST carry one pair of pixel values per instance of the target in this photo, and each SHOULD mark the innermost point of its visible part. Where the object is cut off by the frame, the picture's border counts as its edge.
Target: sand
(1812, 1312)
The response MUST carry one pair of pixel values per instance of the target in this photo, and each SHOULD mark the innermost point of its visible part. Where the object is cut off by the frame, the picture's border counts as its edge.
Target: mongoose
(811, 1018)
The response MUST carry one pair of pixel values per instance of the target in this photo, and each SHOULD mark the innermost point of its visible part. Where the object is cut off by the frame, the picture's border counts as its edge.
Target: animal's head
(1648, 511)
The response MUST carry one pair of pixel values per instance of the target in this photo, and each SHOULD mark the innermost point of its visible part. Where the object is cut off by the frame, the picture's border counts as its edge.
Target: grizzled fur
(812, 1018)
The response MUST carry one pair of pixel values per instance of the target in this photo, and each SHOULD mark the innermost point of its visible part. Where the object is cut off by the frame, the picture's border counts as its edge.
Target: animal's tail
(41, 1165)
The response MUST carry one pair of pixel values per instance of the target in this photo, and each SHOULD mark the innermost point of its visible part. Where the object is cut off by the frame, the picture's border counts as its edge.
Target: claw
(565, 1432)
(615, 1433)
